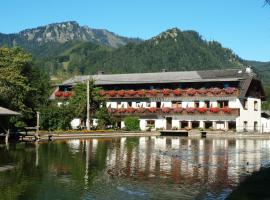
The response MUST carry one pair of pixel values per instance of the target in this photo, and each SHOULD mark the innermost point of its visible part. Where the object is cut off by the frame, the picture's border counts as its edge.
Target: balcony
(174, 111)
(211, 92)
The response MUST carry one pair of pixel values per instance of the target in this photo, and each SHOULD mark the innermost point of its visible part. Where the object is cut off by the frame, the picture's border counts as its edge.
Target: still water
(129, 168)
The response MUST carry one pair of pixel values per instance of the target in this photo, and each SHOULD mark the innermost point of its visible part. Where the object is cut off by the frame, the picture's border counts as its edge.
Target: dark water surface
(129, 168)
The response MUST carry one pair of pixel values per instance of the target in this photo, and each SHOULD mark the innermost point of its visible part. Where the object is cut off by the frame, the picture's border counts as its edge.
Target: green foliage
(132, 123)
(23, 86)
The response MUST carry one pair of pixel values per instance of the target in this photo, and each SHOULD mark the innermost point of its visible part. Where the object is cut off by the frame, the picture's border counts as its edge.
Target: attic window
(255, 105)
(245, 104)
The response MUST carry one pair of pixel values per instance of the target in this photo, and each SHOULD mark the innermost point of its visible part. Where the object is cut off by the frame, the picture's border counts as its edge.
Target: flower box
(178, 110)
(191, 92)
(102, 93)
(202, 91)
(132, 92)
(66, 94)
(121, 110)
(202, 110)
(152, 110)
(229, 90)
(58, 94)
(131, 110)
(153, 92)
(177, 92)
(141, 110)
(190, 110)
(166, 92)
(111, 93)
(214, 110)
(226, 110)
(215, 90)
(141, 93)
(166, 110)
(121, 93)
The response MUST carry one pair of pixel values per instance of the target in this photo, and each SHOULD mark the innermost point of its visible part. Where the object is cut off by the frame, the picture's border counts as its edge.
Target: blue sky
(242, 25)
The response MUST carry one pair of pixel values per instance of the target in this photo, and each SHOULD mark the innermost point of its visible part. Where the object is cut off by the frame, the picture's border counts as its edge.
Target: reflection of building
(214, 99)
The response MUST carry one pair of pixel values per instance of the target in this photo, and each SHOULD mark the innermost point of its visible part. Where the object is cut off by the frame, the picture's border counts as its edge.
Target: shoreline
(192, 134)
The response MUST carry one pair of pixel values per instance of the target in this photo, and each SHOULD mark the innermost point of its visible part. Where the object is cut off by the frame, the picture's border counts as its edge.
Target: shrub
(132, 123)
(58, 94)
(102, 93)
(67, 94)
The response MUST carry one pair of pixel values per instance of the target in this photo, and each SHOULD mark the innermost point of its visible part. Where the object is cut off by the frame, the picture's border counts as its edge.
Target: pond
(129, 168)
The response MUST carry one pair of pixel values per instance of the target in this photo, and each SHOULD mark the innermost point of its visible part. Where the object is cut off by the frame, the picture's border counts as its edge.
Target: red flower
(112, 93)
(226, 110)
(177, 92)
(131, 110)
(102, 93)
(141, 110)
(215, 90)
(229, 90)
(166, 110)
(166, 92)
(214, 110)
(131, 92)
(178, 110)
(121, 93)
(191, 92)
(141, 93)
(67, 94)
(121, 110)
(152, 110)
(190, 110)
(202, 91)
(202, 110)
(153, 92)
(58, 94)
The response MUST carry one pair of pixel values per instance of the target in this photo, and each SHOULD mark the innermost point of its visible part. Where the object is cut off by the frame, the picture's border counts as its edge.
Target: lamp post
(88, 104)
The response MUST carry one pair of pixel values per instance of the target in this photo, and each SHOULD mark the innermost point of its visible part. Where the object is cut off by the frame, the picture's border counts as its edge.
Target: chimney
(101, 72)
(164, 70)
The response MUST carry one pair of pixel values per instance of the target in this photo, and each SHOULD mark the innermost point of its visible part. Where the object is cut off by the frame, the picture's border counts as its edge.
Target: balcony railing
(214, 92)
(174, 111)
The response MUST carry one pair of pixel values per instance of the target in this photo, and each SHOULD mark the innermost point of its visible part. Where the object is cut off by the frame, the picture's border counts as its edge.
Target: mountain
(262, 69)
(61, 36)
(172, 50)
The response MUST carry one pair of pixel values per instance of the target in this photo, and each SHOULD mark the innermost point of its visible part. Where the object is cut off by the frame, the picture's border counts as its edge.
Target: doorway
(168, 123)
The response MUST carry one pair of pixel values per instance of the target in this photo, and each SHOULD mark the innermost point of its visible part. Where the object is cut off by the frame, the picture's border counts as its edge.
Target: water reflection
(129, 168)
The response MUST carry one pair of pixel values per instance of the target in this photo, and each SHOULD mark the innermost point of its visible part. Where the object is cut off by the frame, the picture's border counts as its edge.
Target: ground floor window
(183, 124)
(231, 125)
(208, 125)
(255, 126)
(245, 124)
(220, 125)
(195, 124)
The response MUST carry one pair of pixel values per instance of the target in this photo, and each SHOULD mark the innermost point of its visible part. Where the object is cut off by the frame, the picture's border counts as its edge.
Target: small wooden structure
(4, 117)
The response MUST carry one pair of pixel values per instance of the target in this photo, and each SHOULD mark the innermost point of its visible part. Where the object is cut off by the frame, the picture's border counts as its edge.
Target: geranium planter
(178, 110)
(121, 110)
(66, 94)
(131, 110)
(132, 92)
(152, 110)
(102, 93)
(214, 110)
(166, 92)
(202, 91)
(58, 94)
(177, 92)
(226, 110)
(191, 92)
(202, 110)
(141, 93)
(215, 90)
(111, 93)
(121, 93)
(229, 90)
(141, 110)
(190, 110)
(166, 110)
(153, 92)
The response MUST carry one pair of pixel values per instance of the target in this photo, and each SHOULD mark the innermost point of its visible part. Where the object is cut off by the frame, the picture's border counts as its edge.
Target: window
(207, 104)
(196, 104)
(255, 105)
(150, 123)
(129, 104)
(245, 126)
(158, 104)
(176, 104)
(222, 104)
(148, 104)
(245, 104)
(255, 126)
(119, 105)
(138, 104)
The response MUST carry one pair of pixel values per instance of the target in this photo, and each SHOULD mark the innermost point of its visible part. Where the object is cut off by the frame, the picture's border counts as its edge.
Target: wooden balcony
(154, 112)
(167, 93)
